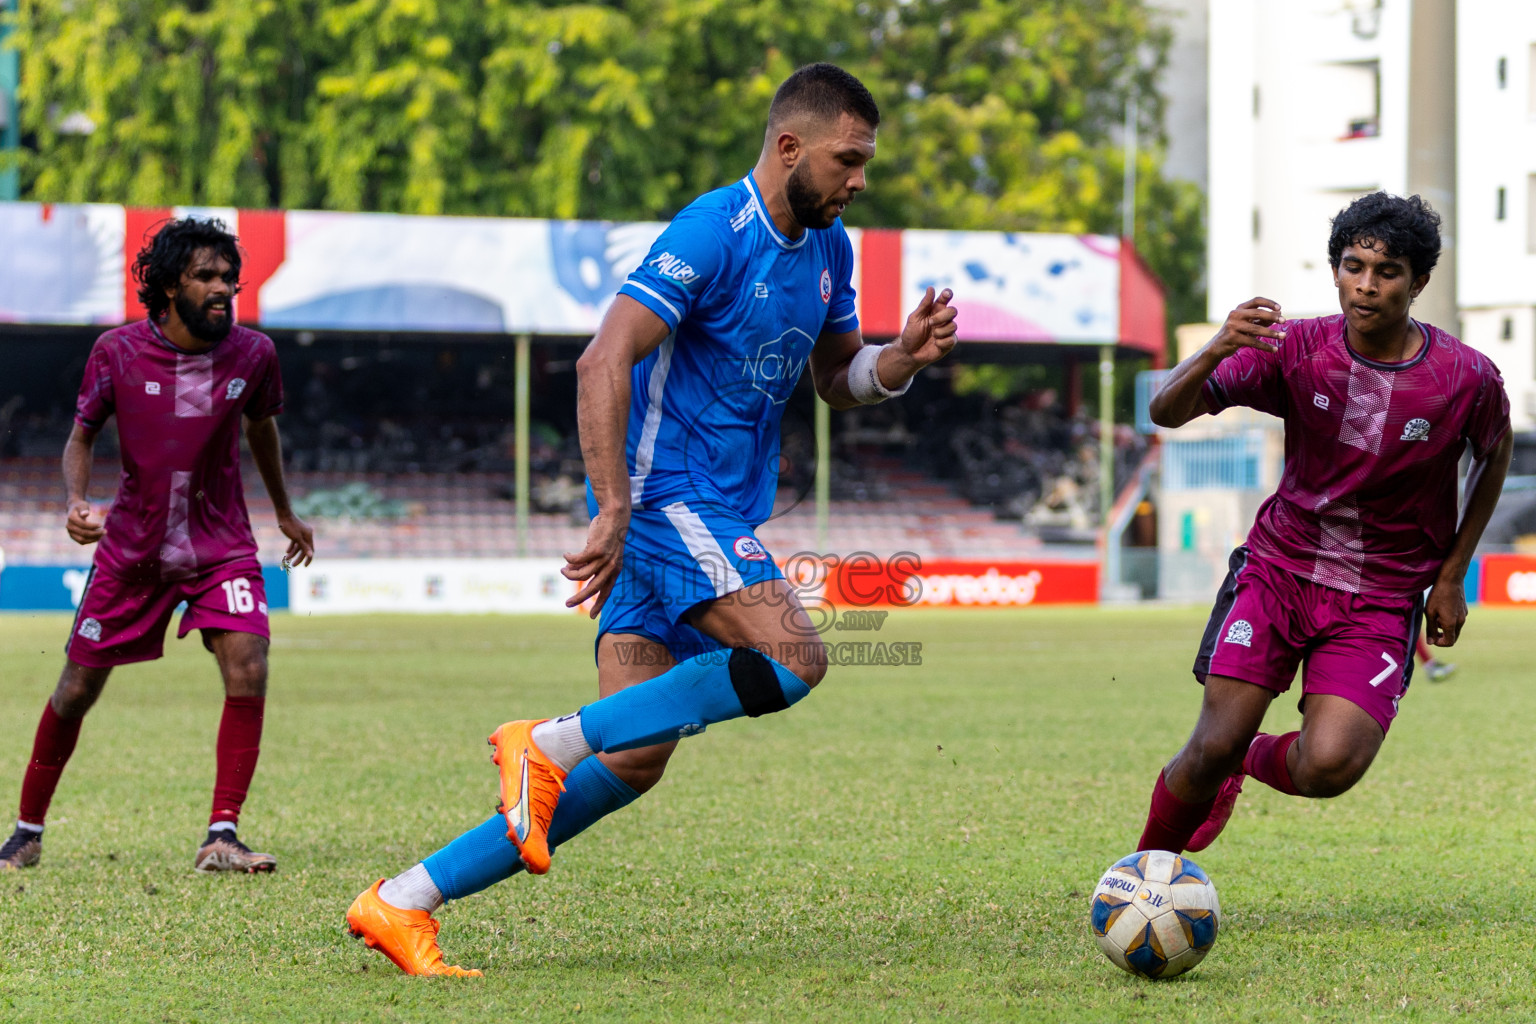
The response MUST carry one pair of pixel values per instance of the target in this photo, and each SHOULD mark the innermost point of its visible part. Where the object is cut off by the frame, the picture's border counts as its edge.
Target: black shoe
(23, 850)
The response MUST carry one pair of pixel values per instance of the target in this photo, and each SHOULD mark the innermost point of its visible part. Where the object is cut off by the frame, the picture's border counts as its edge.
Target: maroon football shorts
(1267, 621)
(123, 621)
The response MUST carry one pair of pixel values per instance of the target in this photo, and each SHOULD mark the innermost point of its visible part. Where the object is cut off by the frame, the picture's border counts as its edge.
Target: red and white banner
(862, 581)
(1509, 580)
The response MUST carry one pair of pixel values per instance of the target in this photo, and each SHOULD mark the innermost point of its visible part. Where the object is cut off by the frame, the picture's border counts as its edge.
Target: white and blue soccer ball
(1155, 914)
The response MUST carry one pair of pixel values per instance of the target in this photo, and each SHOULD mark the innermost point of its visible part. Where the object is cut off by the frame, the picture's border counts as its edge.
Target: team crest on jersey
(1415, 430)
(826, 285)
(751, 549)
(151, 387)
(236, 386)
(1240, 632)
(90, 629)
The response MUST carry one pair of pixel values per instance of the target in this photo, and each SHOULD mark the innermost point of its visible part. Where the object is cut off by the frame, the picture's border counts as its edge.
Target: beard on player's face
(209, 320)
(811, 208)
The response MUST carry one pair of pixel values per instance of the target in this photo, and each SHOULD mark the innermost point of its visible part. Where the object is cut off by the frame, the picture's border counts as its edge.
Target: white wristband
(864, 377)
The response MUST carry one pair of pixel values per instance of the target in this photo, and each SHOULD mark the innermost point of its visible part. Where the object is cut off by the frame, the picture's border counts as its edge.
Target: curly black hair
(1403, 227)
(160, 264)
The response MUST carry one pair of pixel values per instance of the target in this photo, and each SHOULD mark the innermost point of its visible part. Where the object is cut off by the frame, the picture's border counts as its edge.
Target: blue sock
(484, 855)
(713, 687)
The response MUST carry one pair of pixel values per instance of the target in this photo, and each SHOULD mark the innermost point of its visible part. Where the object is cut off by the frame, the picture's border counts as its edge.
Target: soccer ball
(1155, 914)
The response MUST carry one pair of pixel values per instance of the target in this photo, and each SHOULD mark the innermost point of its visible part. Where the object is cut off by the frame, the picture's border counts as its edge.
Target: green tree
(997, 114)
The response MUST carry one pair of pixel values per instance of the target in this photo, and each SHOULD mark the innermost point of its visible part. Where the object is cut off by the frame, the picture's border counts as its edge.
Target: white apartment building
(1496, 184)
(1312, 104)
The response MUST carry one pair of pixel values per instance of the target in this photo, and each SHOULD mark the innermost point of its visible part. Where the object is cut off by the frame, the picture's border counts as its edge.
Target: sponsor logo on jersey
(760, 289)
(1415, 430)
(691, 729)
(668, 265)
(775, 368)
(1321, 401)
(90, 629)
(234, 390)
(826, 285)
(1240, 632)
(151, 387)
(751, 549)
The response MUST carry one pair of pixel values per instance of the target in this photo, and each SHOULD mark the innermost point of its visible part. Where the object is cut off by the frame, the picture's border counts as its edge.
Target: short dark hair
(162, 261)
(825, 91)
(1402, 227)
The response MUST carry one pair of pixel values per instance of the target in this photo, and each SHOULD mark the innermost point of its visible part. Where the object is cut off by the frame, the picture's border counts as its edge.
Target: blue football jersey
(745, 305)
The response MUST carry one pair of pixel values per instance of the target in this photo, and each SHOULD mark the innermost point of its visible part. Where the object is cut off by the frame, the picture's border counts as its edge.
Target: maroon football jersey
(1367, 502)
(180, 508)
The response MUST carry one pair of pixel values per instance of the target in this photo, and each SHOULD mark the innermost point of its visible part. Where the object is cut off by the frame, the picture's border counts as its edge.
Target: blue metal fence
(1227, 463)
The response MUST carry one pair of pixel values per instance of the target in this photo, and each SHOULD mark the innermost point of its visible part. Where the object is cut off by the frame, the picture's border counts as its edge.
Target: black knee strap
(756, 683)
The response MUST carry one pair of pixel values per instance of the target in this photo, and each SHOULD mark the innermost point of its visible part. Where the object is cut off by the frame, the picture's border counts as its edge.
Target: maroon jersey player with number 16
(180, 383)
(1378, 409)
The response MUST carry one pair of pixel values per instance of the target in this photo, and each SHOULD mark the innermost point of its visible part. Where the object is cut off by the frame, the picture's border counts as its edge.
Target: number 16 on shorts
(237, 593)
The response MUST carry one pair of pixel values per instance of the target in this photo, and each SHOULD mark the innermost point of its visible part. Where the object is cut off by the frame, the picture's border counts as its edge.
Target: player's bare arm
(267, 449)
(81, 526)
(1179, 400)
(629, 332)
(1445, 612)
(928, 336)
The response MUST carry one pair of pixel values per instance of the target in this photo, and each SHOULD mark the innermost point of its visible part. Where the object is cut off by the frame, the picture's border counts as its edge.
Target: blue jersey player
(679, 401)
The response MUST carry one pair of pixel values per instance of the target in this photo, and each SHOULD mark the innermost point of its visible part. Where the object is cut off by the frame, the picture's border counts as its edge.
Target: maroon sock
(239, 747)
(51, 748)
(1170, 821)
(1265, 761)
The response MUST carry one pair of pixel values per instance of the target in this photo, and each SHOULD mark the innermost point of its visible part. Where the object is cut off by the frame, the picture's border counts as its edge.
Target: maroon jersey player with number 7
(1378, 409)
(180, 383)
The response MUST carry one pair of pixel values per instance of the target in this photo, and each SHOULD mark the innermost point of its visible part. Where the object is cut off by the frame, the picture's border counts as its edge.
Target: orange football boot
(407, 937)
(531, 785)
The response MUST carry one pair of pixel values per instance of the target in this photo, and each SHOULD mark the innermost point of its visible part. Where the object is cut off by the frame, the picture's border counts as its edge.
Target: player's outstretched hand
(1444, 614)
(597, 565)
(1248, 326)
(82, 527)
(930, 330)
(302, 549)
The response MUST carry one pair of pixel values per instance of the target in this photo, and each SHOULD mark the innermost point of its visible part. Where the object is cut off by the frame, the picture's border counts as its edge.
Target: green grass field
(909, 844)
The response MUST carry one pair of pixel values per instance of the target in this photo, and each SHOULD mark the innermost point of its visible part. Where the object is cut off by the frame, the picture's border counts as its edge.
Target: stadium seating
(463, 515)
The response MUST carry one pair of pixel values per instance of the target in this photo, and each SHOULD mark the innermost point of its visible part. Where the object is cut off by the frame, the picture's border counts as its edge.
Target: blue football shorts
(675, 558)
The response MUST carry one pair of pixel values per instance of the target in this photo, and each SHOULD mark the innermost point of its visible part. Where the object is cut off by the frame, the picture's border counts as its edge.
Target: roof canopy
(387, 272)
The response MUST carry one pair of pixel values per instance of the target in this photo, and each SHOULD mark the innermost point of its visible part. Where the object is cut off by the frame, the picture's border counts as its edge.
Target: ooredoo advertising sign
(909, 581)
(1509, 579)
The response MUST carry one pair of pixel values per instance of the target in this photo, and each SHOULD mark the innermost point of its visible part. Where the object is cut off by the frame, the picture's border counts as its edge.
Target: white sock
(27, 826)
(222, 826)
(412, 890)
(562, 741)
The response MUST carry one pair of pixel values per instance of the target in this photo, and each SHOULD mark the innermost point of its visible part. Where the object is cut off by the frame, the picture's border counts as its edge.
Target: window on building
(1530, 213)
(1507, 329)
(1503, 72)
(1255, 223)
(1356, 87)
(1498, 205)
